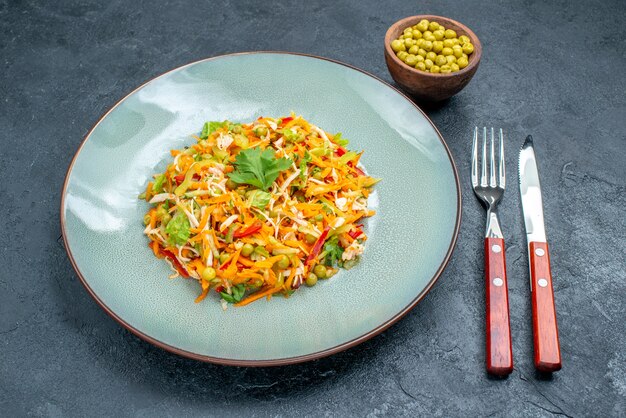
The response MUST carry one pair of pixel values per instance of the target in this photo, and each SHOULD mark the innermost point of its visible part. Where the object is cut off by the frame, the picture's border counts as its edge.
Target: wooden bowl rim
(439, 19)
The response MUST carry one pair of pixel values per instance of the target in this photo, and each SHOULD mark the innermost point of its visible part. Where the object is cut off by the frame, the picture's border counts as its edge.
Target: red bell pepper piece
(179, 267)
(287, 119)
(248, 231)
(219, 289)
(181, 177)
(317, 247)
(355, 234)
(340, 151)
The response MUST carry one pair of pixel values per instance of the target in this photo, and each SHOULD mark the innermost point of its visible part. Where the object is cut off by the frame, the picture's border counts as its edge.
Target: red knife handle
(545, 329)
(499, 351)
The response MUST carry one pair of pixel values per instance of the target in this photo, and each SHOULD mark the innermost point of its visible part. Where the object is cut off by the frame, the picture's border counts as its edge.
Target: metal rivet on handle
(496, 248)
(498, 282)
(542, 282)
(540, 252)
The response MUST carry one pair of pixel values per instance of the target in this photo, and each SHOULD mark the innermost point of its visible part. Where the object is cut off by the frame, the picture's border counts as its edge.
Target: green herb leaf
(237, 293)
(333, 250)
(259, 199)
(258, 168)
(178, 229)
(228, 298)
(210, 127)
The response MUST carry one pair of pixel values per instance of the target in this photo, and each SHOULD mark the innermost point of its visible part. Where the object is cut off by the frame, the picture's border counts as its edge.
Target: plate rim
(286, 360)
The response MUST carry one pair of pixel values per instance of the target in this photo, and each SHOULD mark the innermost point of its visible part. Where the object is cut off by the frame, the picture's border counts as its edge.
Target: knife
(545, 328)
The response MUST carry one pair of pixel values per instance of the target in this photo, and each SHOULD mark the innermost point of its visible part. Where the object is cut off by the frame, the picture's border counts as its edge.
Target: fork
(489, 190)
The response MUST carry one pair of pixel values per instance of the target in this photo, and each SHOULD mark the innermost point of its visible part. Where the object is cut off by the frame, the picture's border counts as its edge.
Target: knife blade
(547, 352)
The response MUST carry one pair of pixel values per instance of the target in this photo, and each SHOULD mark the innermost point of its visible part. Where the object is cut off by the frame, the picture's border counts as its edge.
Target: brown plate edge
(288, 360)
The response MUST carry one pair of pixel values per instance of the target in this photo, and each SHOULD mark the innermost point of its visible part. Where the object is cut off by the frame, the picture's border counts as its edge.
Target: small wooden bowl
(426, 86)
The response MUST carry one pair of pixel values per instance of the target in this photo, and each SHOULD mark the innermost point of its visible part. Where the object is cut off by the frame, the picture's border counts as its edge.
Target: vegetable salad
(258, 209)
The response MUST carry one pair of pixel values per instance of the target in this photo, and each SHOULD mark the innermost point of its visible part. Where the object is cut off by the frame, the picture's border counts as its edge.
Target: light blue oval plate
(410, 239)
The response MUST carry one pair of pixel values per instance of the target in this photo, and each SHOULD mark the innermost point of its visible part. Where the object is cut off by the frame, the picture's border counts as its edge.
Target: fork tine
(475, 159)
(483, 171)
(492, 162)
(502, 173)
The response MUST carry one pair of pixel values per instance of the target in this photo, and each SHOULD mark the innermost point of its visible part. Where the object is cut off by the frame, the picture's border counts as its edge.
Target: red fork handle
(499, 350)
(545, 328)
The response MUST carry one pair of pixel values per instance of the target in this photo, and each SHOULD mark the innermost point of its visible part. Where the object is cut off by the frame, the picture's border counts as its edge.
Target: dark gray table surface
(553, 69)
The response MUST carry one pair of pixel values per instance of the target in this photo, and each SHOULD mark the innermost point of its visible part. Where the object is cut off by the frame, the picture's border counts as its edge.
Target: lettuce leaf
(178, 229)
(259, 199)
(210, 127)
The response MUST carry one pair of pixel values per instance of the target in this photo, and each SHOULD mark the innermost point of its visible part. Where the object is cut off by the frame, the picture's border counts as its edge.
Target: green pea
(449, 34)
(319, 218)
(311, 280)
(422, 26)
(401, 55)
(310, 239)
(223, 257)
(420, 66)
(448, 43)
(445, 69)
(427, 33)
(320, 271)
(430, 38)
(438, 34)
(464, 39)
(408, 42)
(208, 273)
(457, 51)
(419, 42)
(433, 26)
(427, 45)
(468, 48)
(419, 58)
(405, 57)
(247, 249)
(455, 41)
(440, 60)
(450, 59)
(454, 67)
(437, 46)
(231, 184)
(408, 31)
(417, 34)
(237, 129)
(462, 62)
(283, 263)
(261, 131)
(431, 56)
(434, 69)
(411, 60)
(422, 52)
(146, 219)
(165, 219)
(446, 51)
(413, 50)
(428, 64)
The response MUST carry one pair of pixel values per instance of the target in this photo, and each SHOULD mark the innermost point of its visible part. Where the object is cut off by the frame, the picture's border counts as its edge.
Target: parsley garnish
(258, 168)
